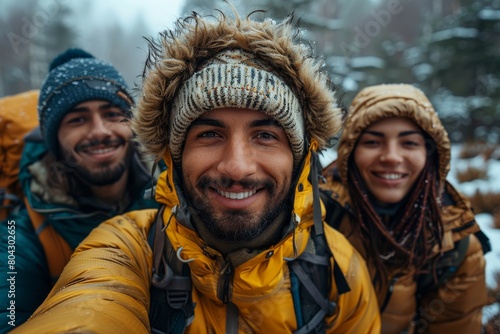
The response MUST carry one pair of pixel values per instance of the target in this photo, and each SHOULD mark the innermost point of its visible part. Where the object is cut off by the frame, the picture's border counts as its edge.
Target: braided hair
(416, 228)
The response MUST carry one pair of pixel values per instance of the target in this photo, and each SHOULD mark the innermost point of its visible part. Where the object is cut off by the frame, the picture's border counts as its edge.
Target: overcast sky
(159, 14)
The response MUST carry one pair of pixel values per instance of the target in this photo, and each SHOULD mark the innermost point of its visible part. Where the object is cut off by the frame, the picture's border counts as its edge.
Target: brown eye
(75, 120)
(208, 134)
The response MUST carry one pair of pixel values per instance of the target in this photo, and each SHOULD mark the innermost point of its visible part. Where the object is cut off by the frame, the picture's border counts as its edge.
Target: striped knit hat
(234, 78)
(218, 61)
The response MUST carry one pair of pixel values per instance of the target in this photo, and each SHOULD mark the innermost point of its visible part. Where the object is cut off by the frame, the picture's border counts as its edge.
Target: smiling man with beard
(237, 109)
(95, 146)
(79, 168)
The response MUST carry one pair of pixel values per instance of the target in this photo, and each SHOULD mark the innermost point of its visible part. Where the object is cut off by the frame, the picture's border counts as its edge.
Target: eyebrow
(219, 124)
(401, 134)
(265, 122)
(207, 121)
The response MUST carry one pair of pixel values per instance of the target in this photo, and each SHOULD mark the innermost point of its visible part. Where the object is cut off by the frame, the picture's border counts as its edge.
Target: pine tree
(463, 49)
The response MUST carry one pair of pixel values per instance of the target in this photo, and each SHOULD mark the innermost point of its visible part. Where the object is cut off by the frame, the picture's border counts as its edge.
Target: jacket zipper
(225, 282)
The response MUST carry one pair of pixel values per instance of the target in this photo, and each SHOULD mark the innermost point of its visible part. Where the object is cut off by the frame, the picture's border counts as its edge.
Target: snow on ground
(469, 188)
(492, 184)
(493, 257)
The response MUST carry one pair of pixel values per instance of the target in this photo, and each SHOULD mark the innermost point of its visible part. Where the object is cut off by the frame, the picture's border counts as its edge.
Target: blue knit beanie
(74, 77)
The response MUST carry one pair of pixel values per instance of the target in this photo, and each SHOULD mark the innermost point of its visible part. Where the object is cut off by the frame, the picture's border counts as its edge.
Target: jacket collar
(48, 196)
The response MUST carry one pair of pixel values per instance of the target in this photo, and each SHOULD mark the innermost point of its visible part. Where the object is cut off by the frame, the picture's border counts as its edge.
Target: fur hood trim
(176, 55)
(393, 100)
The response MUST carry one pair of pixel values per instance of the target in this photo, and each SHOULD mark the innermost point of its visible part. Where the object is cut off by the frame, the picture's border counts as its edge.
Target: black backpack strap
(449, 262)
(484, 240)
(334, 211)
(315, 323)
(314, 176)
(445, 266)
(310, 285)
(310, 292)
(172, 308)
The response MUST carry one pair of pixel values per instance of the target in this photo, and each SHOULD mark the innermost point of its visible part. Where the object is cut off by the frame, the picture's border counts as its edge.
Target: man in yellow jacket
(237, 109)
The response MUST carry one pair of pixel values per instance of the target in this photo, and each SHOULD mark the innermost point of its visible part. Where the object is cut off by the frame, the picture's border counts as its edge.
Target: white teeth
(236, 195)
(390, 176)
(101, 150)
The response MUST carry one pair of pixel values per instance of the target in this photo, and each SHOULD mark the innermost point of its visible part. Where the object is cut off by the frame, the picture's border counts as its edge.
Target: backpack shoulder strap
(171, 308)
(446, 265)
(171, 285)
(57, 250)
(310, 285)
(450, 261)
(334, 210)
(484, 240)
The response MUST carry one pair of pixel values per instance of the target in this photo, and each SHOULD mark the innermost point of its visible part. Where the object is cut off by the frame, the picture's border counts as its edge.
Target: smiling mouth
(389, 176)
(240, 195)
(96, 147)
(100, 150)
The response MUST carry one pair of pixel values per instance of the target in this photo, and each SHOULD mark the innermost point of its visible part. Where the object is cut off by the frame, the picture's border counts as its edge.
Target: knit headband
(236, 79)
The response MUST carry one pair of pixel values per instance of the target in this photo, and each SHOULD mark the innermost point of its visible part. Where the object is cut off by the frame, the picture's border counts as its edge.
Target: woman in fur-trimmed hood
(237, 109)
(417, 233)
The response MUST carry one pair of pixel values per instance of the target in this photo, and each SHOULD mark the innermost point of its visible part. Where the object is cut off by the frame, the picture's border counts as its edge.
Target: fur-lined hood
(176, 55)
(394, 100)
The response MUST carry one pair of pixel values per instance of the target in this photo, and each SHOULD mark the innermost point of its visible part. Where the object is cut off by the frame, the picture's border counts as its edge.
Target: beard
(104, 174)
(238, 225)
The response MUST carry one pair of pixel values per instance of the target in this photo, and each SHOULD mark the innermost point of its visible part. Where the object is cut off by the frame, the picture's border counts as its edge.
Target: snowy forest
(448, 48)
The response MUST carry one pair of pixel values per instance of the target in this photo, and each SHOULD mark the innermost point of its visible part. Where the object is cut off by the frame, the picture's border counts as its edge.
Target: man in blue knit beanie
(76, 76)
(79, 168)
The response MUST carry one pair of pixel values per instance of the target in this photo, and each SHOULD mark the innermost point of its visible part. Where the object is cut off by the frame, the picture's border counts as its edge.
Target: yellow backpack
(18, 116)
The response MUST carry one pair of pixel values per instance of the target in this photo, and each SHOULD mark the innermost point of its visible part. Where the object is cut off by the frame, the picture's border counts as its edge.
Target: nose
(391, 154)
(238, 160)
(99, 127)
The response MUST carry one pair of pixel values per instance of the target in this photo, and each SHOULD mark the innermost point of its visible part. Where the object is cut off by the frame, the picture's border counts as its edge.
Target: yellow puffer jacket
(456, 306)
(105, 287)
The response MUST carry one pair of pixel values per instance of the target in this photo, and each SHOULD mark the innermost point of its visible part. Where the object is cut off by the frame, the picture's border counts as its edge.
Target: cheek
(123, 130)
(61, 136)
(278, 166)
(195, 162)
(362, 158)
(418, 161)
(67, 139)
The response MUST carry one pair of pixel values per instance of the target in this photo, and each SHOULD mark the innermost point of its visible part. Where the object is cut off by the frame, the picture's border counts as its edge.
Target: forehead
(393, 125)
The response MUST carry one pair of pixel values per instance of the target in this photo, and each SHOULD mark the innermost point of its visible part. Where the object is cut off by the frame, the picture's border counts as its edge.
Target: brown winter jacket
(456, 306)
